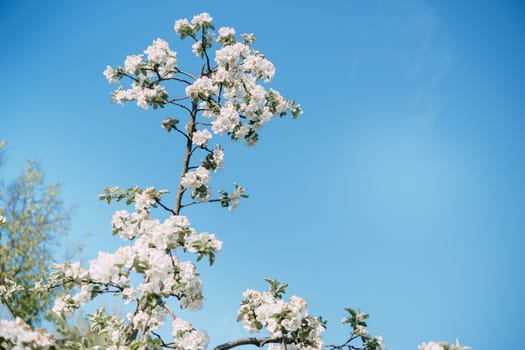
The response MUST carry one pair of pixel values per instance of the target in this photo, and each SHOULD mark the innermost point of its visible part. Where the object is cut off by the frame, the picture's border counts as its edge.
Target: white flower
(442, 346)
(190, 286)
(143, 201)
(181, 24)
(132, 63)
(204, 240)
(248, 38)
(197, 48)
(112, 268)
(16, 334)
(202, 87)
(201, 137)
(75, 271)
(159, 51)
(259, 66)
(226, 31)
(227, 120)
(201, 19)
(177, 221)
(64, 306)
(109, 73)
(180, 325)
(226, 34)
(229, 55)
(84, 295)
(194, 340)
(361, 330)
(279, 317)
(242, 132)
(235, 196)
(143, 95)
(196, 179)
(151, 319)
(129, 294)
(430, 346)
(218, 157)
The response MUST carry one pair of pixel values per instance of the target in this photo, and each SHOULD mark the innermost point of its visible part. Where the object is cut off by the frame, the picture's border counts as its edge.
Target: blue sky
(399, 191)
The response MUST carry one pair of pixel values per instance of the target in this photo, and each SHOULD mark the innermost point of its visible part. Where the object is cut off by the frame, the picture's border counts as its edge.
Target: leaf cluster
(34, 219)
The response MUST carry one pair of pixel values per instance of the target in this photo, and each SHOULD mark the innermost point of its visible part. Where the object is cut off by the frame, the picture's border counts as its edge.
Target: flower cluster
(248, 105)
(143, 94)
(17, 334)
(202, 88)
(442, 345)
(289, 321)
(160, 65)
(357, 321)
(197, 181)
(187, 337)
(201, 137)
(232, 199)
(153, 256)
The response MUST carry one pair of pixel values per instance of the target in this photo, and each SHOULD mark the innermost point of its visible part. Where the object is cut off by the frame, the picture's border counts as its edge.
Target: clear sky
(400, 191)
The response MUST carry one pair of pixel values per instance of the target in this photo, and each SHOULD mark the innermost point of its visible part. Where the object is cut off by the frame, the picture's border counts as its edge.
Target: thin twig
(179, 105)
(189, 75)
(165, 207)
(199, 202)
(179, 79)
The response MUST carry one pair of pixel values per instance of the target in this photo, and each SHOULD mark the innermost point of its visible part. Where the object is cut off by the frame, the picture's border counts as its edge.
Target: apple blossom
(16, 334)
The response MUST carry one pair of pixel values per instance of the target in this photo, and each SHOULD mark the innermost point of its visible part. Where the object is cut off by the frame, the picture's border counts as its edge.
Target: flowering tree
(32, 219)
(226, 96)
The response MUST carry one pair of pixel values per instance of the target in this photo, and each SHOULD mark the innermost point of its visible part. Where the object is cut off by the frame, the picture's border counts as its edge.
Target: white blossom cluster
(358, 324)
(197, 181)
(248, 105)
(18, 335)
(201, 137)
(164, 275)
(442, 345)
(235, 197)
(142, 93)
(202, 88)
(160, 64)
(287, 320)
(187, 337)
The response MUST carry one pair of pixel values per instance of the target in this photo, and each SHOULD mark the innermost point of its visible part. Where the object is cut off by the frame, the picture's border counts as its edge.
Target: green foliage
(34, 219)
(76, 334)
(277, 288)
(118, 194)
(169, 124)
(357, 322)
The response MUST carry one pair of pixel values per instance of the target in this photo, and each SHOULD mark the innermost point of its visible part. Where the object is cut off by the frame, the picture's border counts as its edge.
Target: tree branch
(260, 342)
(165, 207)
(179, 79)
(187, 156)
(168, 310)
(199, 202)
(179, 105)
(189, 75)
